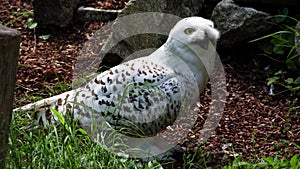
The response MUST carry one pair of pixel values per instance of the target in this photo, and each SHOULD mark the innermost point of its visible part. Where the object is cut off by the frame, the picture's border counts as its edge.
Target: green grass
(45, 92)
(60, 147)
(268, 162)
(18, 16)
(67, 146)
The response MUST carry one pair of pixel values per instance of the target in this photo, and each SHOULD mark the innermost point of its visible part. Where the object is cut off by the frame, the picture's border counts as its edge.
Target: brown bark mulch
(253, 124)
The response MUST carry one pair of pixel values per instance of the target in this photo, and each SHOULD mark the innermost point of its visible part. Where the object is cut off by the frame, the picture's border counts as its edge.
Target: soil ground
(253, 124)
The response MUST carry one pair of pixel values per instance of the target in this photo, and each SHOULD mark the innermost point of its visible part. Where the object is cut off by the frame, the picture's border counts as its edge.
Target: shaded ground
(253, 124)
(105, 4)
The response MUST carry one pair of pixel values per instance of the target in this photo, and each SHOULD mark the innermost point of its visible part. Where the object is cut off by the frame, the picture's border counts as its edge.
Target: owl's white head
(194, 41)
(195, 30)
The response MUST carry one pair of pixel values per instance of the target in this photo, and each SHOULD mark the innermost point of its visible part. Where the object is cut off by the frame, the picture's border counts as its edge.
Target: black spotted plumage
(143, 96)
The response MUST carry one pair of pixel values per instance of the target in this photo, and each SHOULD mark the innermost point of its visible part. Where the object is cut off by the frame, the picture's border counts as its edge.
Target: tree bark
(9, 50)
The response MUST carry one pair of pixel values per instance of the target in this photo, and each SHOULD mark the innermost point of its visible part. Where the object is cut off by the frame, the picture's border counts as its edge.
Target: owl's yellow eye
(189, 31)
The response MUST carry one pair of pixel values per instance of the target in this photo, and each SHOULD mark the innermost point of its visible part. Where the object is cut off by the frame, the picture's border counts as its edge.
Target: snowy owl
(141, 97)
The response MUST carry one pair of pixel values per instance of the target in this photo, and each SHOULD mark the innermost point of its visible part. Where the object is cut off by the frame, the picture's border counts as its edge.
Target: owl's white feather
(145, 95)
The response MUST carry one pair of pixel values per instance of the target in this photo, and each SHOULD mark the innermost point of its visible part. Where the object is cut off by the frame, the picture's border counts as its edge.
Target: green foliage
(60, 146)
(18, 16)
(267, 162)
(65, 145)
(290, 84)
(61, 119)
(44, 37)
(58, 88)
(21, 15)
(31, 24)
(284, 51)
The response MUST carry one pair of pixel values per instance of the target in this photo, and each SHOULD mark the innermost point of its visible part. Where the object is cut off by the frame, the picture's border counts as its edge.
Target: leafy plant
(31, 24)
(284, 51)
(293, 163)
(44, 37)
(291, 84)
(267, 162)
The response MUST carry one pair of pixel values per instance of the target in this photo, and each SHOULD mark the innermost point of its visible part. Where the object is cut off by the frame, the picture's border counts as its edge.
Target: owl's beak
(203, 43)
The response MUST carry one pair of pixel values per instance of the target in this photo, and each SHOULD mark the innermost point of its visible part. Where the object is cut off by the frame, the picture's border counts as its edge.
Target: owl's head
(196, 31)
(194, 41)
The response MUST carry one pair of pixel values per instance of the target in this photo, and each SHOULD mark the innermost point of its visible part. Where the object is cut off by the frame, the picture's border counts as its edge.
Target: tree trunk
(9, 50)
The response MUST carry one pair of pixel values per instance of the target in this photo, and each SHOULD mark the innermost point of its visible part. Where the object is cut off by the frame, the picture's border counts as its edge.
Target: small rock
(238, 24)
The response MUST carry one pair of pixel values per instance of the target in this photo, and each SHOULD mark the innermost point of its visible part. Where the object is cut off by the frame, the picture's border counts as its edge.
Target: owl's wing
(139, 96)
